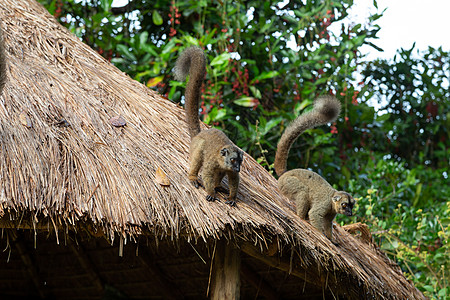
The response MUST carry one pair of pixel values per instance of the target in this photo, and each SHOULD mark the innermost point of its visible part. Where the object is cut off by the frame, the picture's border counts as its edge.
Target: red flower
(334, 129)
(354, 100)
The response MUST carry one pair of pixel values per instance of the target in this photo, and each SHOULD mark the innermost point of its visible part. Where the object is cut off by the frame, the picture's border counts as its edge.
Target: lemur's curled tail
(2, 63)
(326, 109)
(193, 62)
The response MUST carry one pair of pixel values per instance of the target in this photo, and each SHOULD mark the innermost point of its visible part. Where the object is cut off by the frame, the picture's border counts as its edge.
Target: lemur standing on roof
(315, 198)
(210, 149)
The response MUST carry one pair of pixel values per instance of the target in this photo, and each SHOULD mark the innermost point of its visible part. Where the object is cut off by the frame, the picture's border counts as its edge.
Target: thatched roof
(65, 167)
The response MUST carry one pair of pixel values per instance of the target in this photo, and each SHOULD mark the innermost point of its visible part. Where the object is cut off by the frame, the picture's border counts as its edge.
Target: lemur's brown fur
(2, 62)
(210, 149)
(315, 198)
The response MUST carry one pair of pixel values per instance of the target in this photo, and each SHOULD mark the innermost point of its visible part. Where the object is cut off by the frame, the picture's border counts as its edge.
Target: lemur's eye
(233, 160)
(344, 205)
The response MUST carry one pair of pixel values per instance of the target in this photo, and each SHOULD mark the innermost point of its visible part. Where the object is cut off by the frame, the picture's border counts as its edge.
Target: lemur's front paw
(231, 203)
(210, 198)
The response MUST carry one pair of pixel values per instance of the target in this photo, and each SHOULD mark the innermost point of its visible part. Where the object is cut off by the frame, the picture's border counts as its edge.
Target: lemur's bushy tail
(192, 61)
(326, 109)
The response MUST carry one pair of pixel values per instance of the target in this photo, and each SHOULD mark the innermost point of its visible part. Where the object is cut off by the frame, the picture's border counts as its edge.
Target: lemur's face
(232, 157)
(343, 203)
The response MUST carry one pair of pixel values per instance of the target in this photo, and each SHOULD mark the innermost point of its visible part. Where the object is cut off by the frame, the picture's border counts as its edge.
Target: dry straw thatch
(63, 163)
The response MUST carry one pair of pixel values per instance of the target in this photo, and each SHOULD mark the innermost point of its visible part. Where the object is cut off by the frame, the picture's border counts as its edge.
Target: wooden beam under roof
(29, 264)
(87, 265)
(226, 281)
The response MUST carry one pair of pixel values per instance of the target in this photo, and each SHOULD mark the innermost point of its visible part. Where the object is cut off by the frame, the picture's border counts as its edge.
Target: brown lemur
(314, 197)
(210, 149)
(2, 62)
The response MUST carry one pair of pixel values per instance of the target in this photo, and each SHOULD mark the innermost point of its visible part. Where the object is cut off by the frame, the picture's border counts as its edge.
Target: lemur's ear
(336, 198)
(224, 151)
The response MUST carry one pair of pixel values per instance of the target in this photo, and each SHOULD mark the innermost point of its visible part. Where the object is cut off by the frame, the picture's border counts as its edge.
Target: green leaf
(375, 46)
(191, 40)
(266, 27)
(321, 80)
(417, 195)
(124, 50)
(97, 18)
(149, 49)
(346, 172)
(307, 74)
(154, 81)
(299, 106)
(358, 41)
(220, 60)
(169, 46)
(173, 92)
(156, 18)
(145, 59)
(428, 288)
(265, 75)
(443, 292)
(271, 124)
(106, 4)
(249, 61)
(52, 7)
(290, 19)
(143, 38)
(394, 244)
(206, 39)
(298, 13)
(210, 116)
(255, 92)
(142, 74)
(375, 17)
(383, 117)
(174, 95)
(246, 101)
(221, 114)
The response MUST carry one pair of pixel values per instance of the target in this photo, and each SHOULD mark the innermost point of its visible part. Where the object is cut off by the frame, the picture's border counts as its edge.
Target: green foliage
(414, 94)
(268, 63)
(417, 238)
